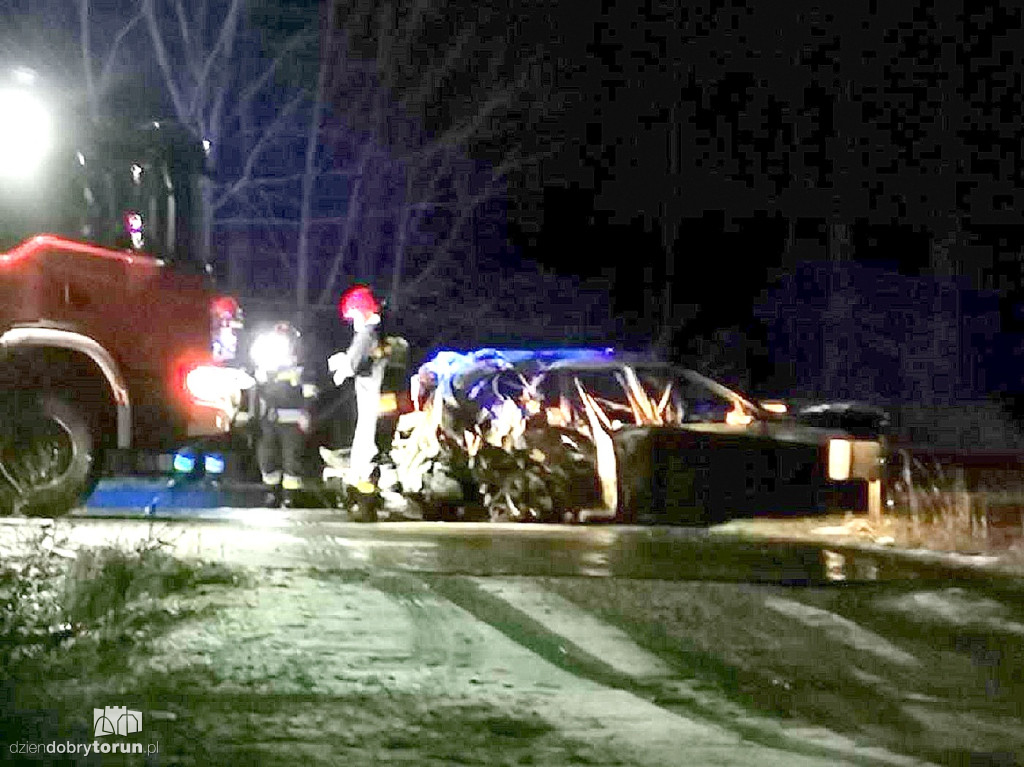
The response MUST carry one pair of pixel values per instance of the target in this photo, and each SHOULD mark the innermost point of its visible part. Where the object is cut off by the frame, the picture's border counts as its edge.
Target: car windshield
(651, 395)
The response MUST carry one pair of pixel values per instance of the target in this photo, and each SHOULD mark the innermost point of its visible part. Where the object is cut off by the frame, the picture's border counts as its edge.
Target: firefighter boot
(292, 484)
(272, 498)
(364, 502)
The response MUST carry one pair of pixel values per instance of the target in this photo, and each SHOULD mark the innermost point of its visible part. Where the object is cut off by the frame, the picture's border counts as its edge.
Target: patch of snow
(842, 630)
(956, 606)
(558, 615)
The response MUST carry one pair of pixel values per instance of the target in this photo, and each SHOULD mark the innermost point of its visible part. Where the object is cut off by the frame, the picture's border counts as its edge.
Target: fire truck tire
(48, 456)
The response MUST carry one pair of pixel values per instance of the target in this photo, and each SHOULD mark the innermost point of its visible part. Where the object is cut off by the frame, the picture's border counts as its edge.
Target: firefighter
(365, 362)
(284, 399)
(362, 362)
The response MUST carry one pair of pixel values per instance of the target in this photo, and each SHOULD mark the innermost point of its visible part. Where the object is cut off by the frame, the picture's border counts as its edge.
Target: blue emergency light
(214, 463)
(184, 462)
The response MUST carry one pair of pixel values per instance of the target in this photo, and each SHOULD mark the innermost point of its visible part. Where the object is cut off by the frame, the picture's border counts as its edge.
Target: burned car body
(584, 433)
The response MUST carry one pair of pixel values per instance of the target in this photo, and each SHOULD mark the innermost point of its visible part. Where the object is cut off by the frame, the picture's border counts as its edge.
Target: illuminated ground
(366, 644)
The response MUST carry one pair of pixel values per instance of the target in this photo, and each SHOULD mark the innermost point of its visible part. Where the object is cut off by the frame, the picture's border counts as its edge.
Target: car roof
(470, 366)
(489, 359)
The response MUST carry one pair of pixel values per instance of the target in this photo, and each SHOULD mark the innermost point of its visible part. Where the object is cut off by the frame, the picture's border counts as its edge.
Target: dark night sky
(900, 122)
(758, 135)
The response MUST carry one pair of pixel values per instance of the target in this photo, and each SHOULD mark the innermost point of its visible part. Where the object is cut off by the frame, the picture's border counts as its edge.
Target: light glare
(271, 351)
(840, 459)
(26, 134)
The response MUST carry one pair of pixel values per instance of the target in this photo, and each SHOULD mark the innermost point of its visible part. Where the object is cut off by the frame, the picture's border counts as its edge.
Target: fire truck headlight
(26, 134)
(215, 385)
(271, 351)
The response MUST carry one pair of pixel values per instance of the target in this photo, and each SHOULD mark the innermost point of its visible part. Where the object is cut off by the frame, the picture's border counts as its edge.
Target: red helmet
(225, 308)
(358, 298)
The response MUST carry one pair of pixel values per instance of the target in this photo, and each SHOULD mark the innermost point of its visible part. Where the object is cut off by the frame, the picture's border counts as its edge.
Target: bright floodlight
(271, 351)
(24, 76)
(26, 133)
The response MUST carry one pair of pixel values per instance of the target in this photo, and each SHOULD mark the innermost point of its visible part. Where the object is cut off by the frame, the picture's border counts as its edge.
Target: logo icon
(115, 720)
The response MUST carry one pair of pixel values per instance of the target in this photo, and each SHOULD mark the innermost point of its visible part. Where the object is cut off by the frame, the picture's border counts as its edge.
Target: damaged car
(592, 434)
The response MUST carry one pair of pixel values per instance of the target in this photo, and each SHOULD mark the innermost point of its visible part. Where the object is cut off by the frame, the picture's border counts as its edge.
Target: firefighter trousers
(280, 454)
(364, 443)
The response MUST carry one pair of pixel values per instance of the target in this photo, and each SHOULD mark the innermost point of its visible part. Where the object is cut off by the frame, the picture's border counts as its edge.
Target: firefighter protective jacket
(364, 349)
(284, 395)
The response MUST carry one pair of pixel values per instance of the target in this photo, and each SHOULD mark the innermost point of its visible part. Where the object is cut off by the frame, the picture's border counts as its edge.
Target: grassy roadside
(956, 699)
(54, 599)
(70, 619)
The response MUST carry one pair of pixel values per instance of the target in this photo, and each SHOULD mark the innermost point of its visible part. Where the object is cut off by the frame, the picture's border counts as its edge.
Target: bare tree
(99, 69)
(362, 170)
(216, 74)
(412, 190)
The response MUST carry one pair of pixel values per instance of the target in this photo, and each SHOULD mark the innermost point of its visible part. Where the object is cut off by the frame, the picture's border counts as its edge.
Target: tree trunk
(238, 252)
(839, 246)
(86, 41)
(206, 220)
(309, 175)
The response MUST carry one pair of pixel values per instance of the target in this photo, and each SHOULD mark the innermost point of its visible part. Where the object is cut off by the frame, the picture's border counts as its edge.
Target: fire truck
(114, 343)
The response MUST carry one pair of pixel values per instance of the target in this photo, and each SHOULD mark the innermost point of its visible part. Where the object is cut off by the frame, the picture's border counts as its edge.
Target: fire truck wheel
(48, 453)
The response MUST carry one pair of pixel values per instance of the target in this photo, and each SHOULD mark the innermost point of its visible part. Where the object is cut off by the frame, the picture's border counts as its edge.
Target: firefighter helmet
(358, 299)
(289, 331)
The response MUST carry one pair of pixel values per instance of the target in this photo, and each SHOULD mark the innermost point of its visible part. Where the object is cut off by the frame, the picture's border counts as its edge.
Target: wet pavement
(664, 553)
(210, 511)
(323, 538)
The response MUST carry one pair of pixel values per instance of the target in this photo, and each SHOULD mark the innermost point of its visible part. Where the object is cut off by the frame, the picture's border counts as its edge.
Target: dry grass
(936, 505)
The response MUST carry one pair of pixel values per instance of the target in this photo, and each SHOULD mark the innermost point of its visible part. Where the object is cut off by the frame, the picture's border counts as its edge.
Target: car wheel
(49, 455)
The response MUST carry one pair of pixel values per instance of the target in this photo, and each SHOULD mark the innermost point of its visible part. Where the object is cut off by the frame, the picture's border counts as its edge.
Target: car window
(606, 387)
(701, 403)
(662, 394)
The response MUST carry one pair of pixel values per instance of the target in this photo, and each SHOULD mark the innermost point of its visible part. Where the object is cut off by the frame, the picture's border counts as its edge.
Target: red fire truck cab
(112, 336)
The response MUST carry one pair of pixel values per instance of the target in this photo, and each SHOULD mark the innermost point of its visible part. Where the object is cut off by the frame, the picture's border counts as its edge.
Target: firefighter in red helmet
(364, 362)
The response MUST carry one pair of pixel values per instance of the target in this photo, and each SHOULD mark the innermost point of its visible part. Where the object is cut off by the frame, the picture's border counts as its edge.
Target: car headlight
(840, 459)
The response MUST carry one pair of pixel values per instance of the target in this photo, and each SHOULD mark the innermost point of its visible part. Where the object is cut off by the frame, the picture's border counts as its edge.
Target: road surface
(646, 646)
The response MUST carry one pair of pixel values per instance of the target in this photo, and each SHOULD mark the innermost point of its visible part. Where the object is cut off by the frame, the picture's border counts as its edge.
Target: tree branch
(349, 224)
(260, 82)
(466, 209)
(433, 76)
(191, 60)
(160, 49)
(312, 143)
(225, 42)
(108, 66)
(254, 155)
(85, 38)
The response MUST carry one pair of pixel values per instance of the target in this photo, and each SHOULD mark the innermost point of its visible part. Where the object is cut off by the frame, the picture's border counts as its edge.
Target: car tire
(49, 455)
